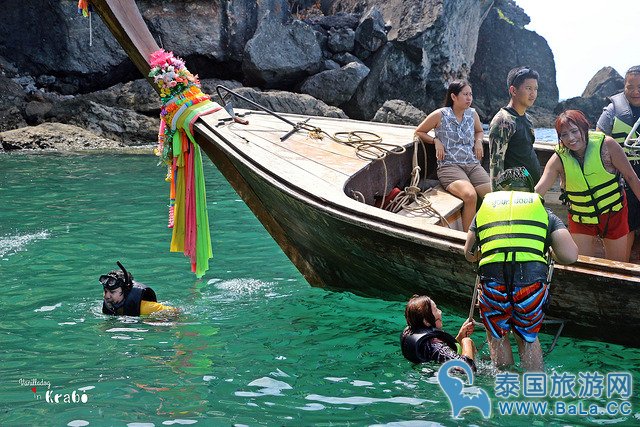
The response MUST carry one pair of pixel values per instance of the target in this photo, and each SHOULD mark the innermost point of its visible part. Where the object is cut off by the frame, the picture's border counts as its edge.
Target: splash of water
(10, 244)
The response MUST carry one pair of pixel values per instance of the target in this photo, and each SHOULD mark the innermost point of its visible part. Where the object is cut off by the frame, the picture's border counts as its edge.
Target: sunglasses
(111, 282)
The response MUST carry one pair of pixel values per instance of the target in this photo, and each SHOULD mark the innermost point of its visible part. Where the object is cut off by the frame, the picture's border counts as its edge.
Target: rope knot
(412, 191)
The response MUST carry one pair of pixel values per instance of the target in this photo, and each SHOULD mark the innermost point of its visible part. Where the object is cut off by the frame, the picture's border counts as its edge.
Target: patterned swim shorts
(522, 313)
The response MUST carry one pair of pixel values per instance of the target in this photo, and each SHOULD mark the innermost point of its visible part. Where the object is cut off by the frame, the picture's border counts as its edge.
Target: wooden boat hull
(338, 248)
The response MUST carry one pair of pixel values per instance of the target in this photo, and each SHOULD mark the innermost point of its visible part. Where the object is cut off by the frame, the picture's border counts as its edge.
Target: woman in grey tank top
(458, 142)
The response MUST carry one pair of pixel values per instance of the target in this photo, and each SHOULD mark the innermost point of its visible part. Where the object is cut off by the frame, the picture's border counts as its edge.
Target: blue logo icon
(454, 389)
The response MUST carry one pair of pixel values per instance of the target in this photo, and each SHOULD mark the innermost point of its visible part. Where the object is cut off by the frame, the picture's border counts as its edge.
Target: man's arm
(471, 251)
(605, 122)
(500, 132)
(148, 307)
(565, 250)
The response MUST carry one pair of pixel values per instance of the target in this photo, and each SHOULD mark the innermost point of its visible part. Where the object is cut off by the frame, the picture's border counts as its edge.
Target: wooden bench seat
(444, 203)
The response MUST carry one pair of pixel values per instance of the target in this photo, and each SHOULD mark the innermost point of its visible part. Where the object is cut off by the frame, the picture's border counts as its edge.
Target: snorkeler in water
(125, 297)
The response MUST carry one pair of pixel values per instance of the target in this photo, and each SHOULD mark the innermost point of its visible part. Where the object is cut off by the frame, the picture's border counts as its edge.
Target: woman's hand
(478, 149)
(439, 149)
(465, 330)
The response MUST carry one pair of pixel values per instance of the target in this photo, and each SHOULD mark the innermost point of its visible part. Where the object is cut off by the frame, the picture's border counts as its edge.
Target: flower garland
(183, 102)
(178, 87)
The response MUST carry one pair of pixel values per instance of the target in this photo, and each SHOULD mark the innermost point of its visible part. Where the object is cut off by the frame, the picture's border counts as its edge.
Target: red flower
(160, 58)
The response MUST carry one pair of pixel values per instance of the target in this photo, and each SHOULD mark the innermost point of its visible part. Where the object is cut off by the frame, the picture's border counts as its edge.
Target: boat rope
(412, 198)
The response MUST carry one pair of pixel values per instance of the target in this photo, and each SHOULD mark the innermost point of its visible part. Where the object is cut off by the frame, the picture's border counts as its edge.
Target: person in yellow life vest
(591, 165)
(510, 237)
(125, 297)
(617, 120)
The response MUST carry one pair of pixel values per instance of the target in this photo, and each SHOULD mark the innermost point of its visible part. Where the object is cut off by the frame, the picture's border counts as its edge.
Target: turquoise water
(546, 135)
(254, 345)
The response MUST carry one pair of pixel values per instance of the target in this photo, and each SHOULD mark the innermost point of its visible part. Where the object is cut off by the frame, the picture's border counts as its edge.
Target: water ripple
(362, 400)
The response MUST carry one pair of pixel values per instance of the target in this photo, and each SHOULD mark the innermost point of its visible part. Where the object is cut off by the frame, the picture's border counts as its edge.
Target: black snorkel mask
(112, 281)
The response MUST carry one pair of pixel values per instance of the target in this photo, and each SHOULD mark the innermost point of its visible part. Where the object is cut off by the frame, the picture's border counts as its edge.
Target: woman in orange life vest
(423, 340)
(590, 165)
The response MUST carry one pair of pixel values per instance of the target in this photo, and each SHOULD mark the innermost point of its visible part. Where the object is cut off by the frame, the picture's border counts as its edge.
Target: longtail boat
(317, 198)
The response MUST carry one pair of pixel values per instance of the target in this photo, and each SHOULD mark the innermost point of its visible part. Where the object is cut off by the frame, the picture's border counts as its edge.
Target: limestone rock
(330, 64)
(591, 107)
(371, 32)
(339, 20)
(137, 95)
(413, 49)
(109, 122)
(280, 55)
(54, 136)
(287, 102)
(341, 40)
(12, 103)
(345, 57)
(11, 118)
(604, 83)
(335, 87)
(430, 42)
(57, 43)
(502, 45)
(399, 112)
(35, 111)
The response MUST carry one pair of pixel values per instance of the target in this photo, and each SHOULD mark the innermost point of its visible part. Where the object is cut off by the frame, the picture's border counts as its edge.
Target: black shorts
(633, 202)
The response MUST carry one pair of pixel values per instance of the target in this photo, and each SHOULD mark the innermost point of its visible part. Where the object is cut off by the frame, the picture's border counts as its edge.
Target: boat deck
(324, 167)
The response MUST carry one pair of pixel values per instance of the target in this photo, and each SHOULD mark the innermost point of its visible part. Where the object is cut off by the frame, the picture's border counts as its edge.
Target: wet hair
(455, 87)
(576, 117)
(418, 310)
(633, 70)
(518, 75)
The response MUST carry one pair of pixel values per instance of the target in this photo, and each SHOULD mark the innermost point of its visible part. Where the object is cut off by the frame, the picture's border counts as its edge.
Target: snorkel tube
(128, 280)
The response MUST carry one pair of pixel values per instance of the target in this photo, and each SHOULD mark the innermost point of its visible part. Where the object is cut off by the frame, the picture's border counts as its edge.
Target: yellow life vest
(619, 132)
(593, 190)
(512, 223)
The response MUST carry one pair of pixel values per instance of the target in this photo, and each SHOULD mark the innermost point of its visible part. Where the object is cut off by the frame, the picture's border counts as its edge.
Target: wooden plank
(390, 134)
(256, 143)
(300, 172)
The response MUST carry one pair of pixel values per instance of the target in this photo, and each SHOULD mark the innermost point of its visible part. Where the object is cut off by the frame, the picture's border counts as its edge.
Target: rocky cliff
(504, 42)
(334, 57)
(603, 84)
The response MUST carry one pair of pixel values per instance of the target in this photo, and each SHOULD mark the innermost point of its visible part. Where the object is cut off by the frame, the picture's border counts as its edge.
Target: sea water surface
(254, 344)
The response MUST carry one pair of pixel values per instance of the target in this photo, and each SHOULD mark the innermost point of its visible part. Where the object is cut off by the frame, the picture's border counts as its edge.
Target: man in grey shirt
(617, 120)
